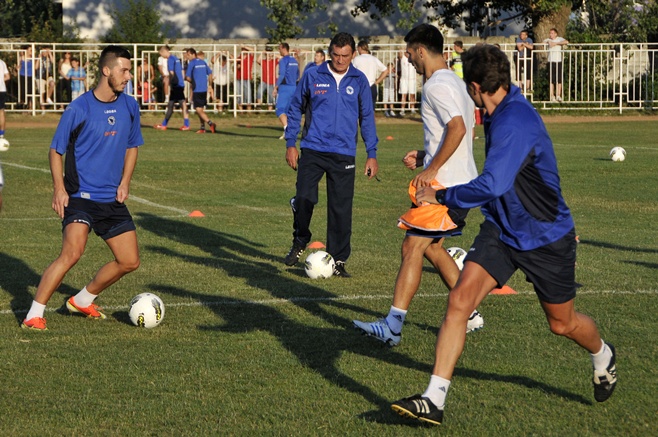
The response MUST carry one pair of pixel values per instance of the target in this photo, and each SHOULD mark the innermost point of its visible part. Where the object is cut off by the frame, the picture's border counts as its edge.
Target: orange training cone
(316, 245)
(503, 290)
(196, 213)
(389, 137)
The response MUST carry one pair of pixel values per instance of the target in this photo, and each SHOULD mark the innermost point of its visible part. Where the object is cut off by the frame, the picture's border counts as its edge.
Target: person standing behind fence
(408, 85)
(220, 77)
(176, 89)
(373, 68)
(245, 69)
(318, 58)
(25, 75)
(163, 68)
(285, 84)
(523, 57)
(198, 74)
(46, 76)
(388, 91)
(268, 63)
(64, 83)
(555, 44)
(78, 78)
(456, 58)
(4, 75)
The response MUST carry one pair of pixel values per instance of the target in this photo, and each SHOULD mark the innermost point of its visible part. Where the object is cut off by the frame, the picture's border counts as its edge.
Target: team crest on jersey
(111, 120)
(349, 90)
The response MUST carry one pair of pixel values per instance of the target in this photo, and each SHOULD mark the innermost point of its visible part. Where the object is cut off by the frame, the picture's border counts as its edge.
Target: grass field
(250, 347)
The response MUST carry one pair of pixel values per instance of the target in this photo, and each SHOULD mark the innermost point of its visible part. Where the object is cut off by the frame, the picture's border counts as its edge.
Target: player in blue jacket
(99, 133)
(527, 226)
(335, 100)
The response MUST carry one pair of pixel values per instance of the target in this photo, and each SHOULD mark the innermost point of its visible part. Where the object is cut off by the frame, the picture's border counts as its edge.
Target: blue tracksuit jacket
(332, 114)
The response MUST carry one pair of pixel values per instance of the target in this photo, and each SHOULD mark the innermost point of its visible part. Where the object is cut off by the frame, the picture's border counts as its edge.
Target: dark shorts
(458, 216)
(551, 269)
(200, 100)
(3, 100)
(106, 219)
(555, 72)
(177, 93)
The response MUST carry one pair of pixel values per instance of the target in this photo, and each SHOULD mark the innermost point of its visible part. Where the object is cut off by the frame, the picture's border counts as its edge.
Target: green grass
(250, 347)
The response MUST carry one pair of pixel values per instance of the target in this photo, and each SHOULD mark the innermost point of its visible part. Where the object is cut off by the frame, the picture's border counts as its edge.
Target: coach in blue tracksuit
(335, 100)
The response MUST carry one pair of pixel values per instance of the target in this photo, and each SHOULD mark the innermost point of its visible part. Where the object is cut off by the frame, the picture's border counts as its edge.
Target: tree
(288, 16)
(34, 20)
(616, 21)
(136, 21)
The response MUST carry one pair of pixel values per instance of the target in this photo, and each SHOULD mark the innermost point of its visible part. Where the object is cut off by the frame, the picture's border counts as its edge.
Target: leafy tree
(289, 15)
(136, 21)
(616, 21)
(34, 20)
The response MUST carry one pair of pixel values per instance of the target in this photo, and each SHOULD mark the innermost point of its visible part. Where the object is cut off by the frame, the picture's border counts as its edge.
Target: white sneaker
(392, 113)
(49, 101)
(475, 322)
(379, 330)
(559, 99)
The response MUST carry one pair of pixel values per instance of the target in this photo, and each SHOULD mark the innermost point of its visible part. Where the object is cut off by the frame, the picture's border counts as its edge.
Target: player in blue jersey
(199, 74)
(285, 84)
(527, 226)
(99, 133)
(176, 89)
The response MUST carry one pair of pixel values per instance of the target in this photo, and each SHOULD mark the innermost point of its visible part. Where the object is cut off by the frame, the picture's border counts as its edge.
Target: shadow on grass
(607, 245)
(16, 278)
(318, 348)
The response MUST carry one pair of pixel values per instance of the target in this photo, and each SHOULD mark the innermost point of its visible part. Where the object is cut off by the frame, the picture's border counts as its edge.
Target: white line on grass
(292, 300)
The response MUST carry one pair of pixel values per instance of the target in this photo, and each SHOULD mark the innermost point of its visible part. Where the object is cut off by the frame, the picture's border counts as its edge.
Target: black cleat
(605, 380)
(339, 270)
(419, 408)
(293, 256)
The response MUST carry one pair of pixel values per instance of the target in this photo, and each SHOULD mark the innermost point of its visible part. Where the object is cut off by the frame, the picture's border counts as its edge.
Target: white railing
(593, 76)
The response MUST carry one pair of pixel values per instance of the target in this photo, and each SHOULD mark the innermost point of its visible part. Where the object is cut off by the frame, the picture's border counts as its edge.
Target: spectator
(26, 75)
(389, 91)
(245, 69)
(340, 110)
(78, 78)
(408, 84)
(523, 58)
(268, 63)
(555, 44)
(64, 83)
(200, 76)
(164, 74)
(285, 84)
(220, 74)
(46, 76)
(456, 61)
(372, 67)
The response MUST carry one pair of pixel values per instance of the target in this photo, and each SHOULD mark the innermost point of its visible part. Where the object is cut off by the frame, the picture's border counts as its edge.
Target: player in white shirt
(4, 74)
(373, 68)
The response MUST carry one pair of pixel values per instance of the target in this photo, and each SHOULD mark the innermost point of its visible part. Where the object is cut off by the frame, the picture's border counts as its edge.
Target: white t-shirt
(3, 71)
(163, 66)
(445, 97)
(407, 70)
(370, 66)
(555, 52)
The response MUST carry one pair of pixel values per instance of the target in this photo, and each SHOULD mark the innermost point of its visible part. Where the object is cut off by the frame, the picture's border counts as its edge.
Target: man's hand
(372, 167)
(122, 193)
(60, 201)
(292, 155)
(410, 160)
(428, 195)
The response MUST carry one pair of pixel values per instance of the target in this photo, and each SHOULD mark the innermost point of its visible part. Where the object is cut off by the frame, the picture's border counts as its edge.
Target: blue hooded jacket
(332, 114)
(519, 187)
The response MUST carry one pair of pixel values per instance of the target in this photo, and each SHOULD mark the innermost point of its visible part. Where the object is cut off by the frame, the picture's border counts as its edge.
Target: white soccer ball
(319, 265)
(458, 254)
(617, 154)
(4, 145)
(146, 310)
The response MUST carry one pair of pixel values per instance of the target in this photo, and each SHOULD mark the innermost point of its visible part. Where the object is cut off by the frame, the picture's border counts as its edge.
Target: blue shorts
(283, 98)
(106, 219)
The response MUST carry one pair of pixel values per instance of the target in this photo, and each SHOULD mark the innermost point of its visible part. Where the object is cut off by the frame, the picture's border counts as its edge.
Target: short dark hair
(488, 66)
(342, 39)
(111, 54)
(191, 51)
(427, 36)
(320, 51)
(285, 45)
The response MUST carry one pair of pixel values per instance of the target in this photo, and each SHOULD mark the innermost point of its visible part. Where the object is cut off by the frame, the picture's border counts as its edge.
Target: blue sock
(2, 132)
(186, 122)
(164, 123)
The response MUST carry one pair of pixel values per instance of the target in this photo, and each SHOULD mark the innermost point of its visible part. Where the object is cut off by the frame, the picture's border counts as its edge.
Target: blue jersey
(288, 71)
(77, 85)
(174, 64)
(95, 136)
(198, 71)
(519, 187)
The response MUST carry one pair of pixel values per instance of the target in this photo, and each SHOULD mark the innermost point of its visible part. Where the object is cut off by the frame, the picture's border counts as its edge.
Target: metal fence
(592, 76)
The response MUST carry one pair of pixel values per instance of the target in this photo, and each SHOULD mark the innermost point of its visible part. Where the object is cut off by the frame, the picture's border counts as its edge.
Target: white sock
(36, 310)
(601, 359)
(395, 319)
(437, 391)
(84, 298)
